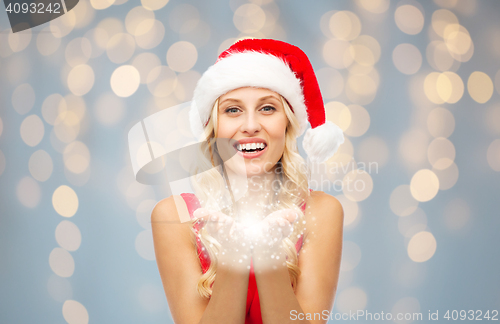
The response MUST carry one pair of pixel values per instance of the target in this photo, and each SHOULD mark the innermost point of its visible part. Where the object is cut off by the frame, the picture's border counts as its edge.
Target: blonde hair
(209, 188)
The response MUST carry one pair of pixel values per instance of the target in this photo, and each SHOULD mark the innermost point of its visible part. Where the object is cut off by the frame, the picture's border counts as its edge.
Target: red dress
(253, 315)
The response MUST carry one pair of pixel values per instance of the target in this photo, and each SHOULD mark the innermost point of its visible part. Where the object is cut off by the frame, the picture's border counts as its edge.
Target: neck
(252, 193)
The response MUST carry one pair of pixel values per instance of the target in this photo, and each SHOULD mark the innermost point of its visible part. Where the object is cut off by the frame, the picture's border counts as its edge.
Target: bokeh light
(154, 4)
(101, 4)
(68, 235)
(409, 19)
(458, 41)
(422, 246)
(28, 191)
(407, 58)
(53, 106)
(480, 86)
(182, 56)
(161, 81)
(439, 57)
(362, 88)
(106, 29)
(424, 185)
(360, 121)
(493, 155)
(67, 126)
(249, 18)
(84, 14)
(374, 6)
(152, 37)
(78, 51)
(76, 157)
(144, 63)
(125, 81)
(59, 288)
(441, 153)
(441, 19)
(440, 122)
(73, 311)
(139, 20)
(40, 165)
(64, 24)
(345, 25)
(32, 130)
(492, 119)
(357, 185)
(120, 48)
(337, 53)
(339, 114)
(65, 201)
(81, 79)
(61, 262)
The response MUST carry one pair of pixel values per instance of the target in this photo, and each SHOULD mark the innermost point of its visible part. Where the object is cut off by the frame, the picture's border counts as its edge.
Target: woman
(242, 264)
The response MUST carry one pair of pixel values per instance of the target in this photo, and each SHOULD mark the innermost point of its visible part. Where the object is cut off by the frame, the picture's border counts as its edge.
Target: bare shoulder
(168, 210)
(320, 201)
(323, 211)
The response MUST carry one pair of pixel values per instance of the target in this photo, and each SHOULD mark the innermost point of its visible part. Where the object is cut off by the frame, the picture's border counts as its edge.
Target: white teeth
(250, 146)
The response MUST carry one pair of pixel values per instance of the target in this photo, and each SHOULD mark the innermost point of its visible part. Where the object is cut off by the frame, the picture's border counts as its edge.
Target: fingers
(217, 223)
(289, 214)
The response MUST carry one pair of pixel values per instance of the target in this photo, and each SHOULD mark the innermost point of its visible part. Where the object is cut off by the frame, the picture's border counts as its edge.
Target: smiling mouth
(250, 147)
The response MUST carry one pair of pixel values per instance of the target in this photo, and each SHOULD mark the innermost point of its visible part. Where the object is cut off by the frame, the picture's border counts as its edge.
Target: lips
(251, 148)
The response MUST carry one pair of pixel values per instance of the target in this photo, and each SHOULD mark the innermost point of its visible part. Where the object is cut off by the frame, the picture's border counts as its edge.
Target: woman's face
(256, 118)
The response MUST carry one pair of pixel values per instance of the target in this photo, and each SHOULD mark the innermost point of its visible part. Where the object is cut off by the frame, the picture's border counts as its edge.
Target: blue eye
(232, 110)
(268, 108)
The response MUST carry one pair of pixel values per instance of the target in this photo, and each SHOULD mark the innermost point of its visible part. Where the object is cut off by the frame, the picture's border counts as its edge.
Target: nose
(251, 124)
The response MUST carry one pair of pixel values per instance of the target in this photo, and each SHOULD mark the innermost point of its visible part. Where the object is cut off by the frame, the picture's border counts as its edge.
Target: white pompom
(322, 142)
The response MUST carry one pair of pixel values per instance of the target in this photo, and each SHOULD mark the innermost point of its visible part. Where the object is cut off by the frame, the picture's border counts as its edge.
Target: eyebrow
(260, 99)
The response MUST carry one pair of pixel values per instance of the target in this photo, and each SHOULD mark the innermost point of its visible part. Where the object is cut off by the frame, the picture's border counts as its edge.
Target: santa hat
(277, 66)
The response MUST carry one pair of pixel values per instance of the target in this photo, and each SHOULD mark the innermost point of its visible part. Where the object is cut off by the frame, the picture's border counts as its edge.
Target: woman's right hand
(234, 251)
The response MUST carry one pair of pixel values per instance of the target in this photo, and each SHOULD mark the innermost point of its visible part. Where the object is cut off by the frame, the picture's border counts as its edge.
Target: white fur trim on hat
(321, 142)
(246, 69)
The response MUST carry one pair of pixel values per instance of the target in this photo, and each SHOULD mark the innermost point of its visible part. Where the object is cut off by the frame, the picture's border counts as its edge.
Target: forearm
(276, 295)
(229, 295)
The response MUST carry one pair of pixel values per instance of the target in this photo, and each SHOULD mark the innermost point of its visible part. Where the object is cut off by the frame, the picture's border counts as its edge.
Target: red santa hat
(277, 66)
